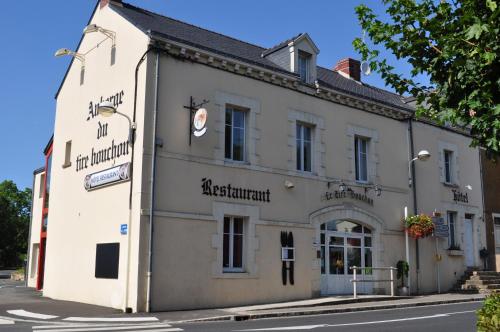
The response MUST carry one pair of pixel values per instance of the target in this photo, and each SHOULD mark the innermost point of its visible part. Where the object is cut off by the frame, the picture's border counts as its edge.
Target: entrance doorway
(345, 244)
(468, 241)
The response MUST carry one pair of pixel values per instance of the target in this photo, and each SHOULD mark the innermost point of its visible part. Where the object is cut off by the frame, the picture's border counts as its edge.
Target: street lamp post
(423, 155)
(107, 109)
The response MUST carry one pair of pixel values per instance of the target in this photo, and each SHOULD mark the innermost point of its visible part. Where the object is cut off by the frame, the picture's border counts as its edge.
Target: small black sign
(107, 259)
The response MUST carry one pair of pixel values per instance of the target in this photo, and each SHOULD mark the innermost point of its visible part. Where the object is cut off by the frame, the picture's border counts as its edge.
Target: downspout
(414, 192)
(152, 194)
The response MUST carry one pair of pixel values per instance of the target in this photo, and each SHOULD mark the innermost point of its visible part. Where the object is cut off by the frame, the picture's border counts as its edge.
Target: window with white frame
(304, 63)
(235, 134)
(304, 147)
(232, 257)
(452, 218)
(496, 224)
(361, 158)
(448, 166)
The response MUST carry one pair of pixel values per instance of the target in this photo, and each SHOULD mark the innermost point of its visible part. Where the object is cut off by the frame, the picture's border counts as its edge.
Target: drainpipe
(152, 194)
(414, 193)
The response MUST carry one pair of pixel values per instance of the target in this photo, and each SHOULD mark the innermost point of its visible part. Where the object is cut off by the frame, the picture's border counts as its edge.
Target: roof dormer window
(304, 66)
(297, 55)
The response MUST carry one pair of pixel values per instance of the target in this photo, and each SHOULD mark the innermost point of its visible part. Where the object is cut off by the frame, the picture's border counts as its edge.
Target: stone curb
(242, 317)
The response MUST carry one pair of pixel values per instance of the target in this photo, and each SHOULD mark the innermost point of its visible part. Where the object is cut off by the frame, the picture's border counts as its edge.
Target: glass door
(341, 250)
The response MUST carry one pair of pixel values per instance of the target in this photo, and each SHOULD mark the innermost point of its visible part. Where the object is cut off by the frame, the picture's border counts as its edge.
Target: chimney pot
(349, 67)
(104, 3)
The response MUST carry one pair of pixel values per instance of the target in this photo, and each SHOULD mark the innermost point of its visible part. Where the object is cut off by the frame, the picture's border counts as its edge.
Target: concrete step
(486, 273)
(482, 282)
(485, 277)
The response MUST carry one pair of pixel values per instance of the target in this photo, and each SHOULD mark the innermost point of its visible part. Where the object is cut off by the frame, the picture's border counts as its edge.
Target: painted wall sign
(114, 149)
(459, 196)
(108, 176)
(349, 193)
(440, 228)
(229, 191)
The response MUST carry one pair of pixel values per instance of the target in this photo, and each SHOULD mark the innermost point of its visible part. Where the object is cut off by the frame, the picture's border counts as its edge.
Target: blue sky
(31, 31)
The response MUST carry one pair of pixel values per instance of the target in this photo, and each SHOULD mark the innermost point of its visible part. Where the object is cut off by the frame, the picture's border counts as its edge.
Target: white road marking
(6, 322)
(24, 313)
(145, 328)
(289, 328)
(390, 320)
(461, 312)
(76, 325)
(310, 327)
(104, 319)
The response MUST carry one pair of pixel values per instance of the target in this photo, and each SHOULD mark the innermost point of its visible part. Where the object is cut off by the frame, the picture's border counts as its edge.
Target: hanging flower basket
(419, 226)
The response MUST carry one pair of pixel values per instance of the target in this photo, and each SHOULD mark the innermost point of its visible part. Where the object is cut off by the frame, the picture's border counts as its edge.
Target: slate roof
(280, 45)
(175, 30)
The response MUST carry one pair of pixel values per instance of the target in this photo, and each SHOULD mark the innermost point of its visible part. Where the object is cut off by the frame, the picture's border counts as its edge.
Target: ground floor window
(345, 244)
(233, 244)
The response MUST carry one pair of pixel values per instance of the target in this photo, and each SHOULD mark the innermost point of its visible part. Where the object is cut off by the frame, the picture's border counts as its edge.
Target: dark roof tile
(217, 43)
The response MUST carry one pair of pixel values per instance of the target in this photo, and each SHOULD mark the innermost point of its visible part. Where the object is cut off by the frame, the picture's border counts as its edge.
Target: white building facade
(293, 156)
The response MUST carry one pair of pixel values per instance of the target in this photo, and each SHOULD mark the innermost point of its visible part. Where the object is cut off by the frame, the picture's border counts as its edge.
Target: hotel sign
(108, 176)
(460, 197)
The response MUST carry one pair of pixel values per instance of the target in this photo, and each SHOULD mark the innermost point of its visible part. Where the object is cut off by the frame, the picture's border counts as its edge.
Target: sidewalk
(323, 305)
(13, 296)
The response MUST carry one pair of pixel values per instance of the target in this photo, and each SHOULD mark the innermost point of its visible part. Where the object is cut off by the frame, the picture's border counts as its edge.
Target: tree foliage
(15, 212)
(456, 44)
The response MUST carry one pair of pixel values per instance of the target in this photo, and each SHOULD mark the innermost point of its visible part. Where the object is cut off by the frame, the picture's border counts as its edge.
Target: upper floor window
(235, 134)
(361, 158)
(448, 166)
(304, 63)
(232, 259)
(304, 147)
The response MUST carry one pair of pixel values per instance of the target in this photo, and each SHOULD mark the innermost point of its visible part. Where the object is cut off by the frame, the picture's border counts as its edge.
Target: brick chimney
(350, 68)
(104, 3)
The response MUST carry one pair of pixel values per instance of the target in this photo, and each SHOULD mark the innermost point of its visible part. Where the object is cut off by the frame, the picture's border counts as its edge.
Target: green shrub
(488, 317)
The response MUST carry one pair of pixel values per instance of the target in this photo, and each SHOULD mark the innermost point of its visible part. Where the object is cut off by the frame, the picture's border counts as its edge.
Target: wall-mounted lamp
(107, 109)
(65, 51)
(344, 187)
(95, 28)
(81, 57)
(423, 155)
(289, 184)
(376, 189)
(108, 33)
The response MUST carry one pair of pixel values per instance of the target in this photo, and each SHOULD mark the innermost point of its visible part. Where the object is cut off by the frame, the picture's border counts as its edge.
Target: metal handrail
(355, 281)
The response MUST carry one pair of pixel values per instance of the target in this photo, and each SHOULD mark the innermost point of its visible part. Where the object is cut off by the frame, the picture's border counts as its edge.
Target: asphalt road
(442, 318)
